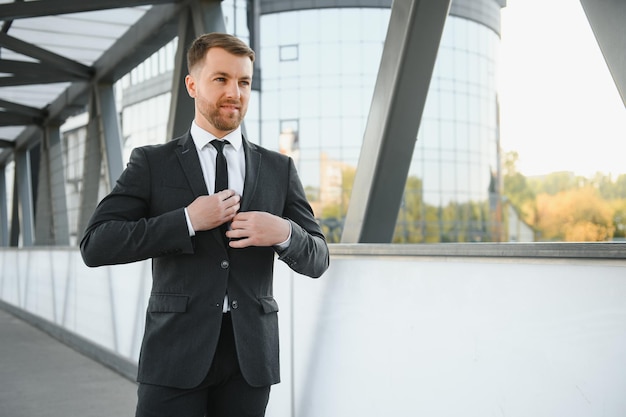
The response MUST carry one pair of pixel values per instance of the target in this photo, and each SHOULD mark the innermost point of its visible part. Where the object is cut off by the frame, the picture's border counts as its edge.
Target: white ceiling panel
(79, 37)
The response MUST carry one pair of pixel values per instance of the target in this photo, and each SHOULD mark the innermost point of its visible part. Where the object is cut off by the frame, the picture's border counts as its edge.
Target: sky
(559, 107)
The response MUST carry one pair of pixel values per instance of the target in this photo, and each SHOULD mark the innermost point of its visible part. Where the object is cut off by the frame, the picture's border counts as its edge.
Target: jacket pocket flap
(168, 303)
(269, 304)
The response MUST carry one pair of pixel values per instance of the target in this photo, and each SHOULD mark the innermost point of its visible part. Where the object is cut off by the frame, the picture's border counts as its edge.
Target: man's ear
(190, 83)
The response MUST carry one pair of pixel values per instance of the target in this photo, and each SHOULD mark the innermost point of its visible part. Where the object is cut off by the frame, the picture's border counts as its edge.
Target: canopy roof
(52, 51)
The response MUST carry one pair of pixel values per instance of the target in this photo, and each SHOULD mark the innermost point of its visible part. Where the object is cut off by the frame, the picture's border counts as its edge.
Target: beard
(224, 122)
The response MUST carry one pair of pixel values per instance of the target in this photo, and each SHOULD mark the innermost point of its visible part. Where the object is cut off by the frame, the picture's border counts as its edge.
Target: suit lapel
(253, 165)
(190, 164)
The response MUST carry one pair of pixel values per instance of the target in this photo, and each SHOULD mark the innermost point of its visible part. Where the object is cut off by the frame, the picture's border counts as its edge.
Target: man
(210, 345)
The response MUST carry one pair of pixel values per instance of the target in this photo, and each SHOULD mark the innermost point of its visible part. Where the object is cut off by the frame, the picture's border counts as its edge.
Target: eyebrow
(227, 75)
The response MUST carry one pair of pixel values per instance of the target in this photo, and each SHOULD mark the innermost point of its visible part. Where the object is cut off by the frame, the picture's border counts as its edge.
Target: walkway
(41, 377)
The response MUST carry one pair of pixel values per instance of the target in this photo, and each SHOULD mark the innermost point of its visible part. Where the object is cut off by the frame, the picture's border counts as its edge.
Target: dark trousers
(223, 393)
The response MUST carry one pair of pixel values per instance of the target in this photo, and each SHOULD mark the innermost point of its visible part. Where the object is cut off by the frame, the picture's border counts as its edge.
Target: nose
(233, 90)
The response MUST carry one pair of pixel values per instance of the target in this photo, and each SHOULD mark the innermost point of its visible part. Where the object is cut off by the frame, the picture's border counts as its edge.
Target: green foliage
(417, 222)
(619, 218)
(555, 183)
(564, 207)
(559, 206)
(517, 190)
(410, 228)
(575, 216)
(333, 214)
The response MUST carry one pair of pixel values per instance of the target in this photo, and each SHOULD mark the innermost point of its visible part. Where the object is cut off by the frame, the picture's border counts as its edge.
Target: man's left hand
(257, 228)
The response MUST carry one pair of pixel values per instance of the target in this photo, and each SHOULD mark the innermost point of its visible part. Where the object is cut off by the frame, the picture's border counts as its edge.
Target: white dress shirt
(235, 157)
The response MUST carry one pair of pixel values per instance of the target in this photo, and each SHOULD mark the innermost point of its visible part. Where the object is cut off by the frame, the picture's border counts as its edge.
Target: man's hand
(257, 228)
(210, 211)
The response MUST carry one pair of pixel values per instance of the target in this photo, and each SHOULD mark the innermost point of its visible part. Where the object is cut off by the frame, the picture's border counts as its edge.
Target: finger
(233, 203)
(243, 242)
(243, 216)
(226, 194)
(239, 223)
(231, 212)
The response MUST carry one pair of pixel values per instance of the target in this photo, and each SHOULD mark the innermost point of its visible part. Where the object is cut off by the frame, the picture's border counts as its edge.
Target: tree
(619, 218)
(410, 227)
(575, 215)
(556, 182)
(620, 186)
(517, 189)
(333, 214)
(609, 189)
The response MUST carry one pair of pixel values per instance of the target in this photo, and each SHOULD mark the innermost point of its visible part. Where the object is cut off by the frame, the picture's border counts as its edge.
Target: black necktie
(221, 168)
(221, 175)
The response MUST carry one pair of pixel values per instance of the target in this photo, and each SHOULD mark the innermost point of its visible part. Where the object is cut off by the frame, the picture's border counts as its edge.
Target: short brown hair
(229, 43)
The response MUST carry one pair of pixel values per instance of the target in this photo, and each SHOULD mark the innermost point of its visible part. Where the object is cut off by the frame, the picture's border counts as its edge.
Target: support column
(607, 18)
(92, 166)
(14, 233)
(24, 194)
(4, 215)
(200, 17)
(52, 226)
(111, 131)
(410, 50)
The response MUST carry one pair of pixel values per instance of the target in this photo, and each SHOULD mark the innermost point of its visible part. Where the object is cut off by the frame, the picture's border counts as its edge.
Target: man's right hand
(210, 211)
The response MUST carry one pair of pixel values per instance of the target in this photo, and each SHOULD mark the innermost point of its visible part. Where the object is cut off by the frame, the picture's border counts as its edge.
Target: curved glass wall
(319, 71)
(454, 174)
(319, 68)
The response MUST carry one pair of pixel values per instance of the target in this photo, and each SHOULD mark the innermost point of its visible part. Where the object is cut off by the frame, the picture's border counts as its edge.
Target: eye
(220, 79)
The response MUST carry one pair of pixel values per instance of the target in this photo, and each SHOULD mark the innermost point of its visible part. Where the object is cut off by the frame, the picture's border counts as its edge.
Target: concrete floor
(41, 377)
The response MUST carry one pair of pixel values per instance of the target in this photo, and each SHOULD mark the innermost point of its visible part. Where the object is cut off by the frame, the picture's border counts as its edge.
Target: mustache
(230, 102)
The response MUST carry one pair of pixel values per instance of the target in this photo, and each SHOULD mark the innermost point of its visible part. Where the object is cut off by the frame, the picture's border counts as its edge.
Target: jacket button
(224, 264)
(234, 305)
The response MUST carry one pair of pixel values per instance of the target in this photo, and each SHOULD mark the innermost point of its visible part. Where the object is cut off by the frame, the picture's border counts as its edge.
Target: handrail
(565, 250)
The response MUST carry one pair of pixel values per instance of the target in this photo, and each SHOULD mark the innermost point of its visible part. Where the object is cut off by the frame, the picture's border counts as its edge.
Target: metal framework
(409, 54)
(39, 215)
(29, 129)
(607, 18)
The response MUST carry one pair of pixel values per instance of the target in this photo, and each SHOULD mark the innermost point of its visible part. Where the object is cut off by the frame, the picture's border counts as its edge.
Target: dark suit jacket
(143, 217)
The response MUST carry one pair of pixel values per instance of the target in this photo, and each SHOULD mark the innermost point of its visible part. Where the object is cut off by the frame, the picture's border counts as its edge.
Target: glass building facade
(319, 64)
(319, 71)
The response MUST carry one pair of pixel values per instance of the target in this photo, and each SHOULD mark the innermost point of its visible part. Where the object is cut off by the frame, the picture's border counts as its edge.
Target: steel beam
(10, 119)
(46, 57)
(148, 35)
(4, 214)
(42, 78)
(181, 105)
(24, 183)
(111, 131)
(14, 233)
(19, 9)
(408, 59)
(607, 19)
(52, 225)
(156, 28)
(21, 109)
(92, 164)
(201, 17)
(27, 138)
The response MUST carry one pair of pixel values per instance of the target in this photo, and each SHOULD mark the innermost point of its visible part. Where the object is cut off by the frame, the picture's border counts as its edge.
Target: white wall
(391, 335)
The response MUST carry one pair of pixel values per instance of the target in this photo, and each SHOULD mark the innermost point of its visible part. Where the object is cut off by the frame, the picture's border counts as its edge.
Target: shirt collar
(202, 138)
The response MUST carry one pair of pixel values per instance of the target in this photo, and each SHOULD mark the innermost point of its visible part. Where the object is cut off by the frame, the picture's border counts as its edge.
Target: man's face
(220, 86)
